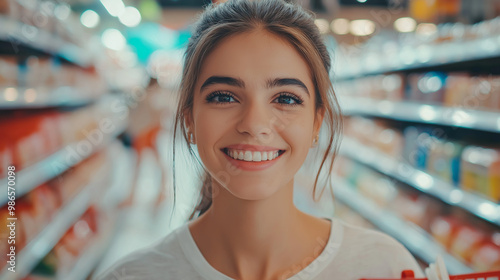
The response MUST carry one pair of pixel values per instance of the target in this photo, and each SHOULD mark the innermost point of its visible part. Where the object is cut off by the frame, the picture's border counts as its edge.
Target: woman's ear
(189, 123)
(318, 120)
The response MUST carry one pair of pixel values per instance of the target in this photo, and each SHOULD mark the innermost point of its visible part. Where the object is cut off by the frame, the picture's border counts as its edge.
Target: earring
(191, 138)
(315, 141)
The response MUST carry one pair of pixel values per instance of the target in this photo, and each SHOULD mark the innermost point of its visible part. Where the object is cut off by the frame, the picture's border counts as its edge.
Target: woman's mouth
(252, 160)
(252, 156)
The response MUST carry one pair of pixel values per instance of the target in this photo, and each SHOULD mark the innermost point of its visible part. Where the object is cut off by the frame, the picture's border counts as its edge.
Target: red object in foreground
(408, 275)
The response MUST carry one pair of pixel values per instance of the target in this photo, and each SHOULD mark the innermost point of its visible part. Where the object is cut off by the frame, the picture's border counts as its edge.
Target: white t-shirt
(351, 253)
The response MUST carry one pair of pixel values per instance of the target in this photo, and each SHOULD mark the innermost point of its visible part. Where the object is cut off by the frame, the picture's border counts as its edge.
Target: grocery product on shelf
(375, 133)
(58, 124)
(481, 171)
(70, 197)
(460, 235)
(46, 26)
(33, 136)
(46, 82)
(472, 244)
(468, 167)
(36, 209)
(453, 89)
(86, 231)
(486, 256)
(47, 72)
(448, 45)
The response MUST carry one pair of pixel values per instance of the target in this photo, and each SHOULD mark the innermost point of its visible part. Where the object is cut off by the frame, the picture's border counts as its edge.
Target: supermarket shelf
(414, 238)
(41, 245)
(424, 57)
(21, 98)
(422, 181)
(108, 203)
(17, 33)
(54, 165)
(90, 257)
(422, 113)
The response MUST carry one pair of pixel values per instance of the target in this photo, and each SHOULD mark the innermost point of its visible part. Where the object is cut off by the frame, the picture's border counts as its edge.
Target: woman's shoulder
(162, 260)
(365, 236)
(374, 250)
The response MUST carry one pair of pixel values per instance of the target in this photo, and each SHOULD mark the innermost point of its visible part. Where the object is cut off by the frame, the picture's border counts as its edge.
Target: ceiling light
(130, 17)
(405, 24)
(362, 27)
(322, 25)
(113, 39)
(114, 7)
(340, 26)
(89, 19)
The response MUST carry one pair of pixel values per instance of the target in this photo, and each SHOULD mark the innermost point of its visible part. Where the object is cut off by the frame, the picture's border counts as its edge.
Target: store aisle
(89, 89)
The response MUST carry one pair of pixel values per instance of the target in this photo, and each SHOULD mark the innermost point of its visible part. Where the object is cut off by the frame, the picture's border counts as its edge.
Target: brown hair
(286, 20)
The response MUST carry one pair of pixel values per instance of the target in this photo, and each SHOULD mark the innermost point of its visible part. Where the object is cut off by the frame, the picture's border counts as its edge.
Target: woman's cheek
(208, 132)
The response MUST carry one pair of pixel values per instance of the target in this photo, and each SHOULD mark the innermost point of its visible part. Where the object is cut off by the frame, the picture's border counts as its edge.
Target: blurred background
(88, 91)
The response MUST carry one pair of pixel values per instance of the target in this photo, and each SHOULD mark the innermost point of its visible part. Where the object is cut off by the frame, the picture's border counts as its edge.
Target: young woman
(255, 91)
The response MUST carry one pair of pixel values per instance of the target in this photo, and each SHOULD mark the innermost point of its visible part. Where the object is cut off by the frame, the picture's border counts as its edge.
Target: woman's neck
(258, 239)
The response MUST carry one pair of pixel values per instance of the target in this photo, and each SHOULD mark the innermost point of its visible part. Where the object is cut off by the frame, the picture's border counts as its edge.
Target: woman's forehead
(254, 55)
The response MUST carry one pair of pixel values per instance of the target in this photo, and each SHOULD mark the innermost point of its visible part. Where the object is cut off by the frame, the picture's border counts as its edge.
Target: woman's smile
(251, 157)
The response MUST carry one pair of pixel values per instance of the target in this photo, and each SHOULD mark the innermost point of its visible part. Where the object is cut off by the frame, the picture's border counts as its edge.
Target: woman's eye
(288, 100)
(220, 98)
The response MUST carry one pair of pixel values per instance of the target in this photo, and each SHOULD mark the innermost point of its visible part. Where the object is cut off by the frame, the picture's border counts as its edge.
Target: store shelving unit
(41, 245)
(476, 205)
(91, 256)
(27, 98)
(37, 248)
(422, 113)
(423, 57)
(414, 238)
(17, 33)
(109, 203)
(477, 52)
(54, 165)
(19, 39)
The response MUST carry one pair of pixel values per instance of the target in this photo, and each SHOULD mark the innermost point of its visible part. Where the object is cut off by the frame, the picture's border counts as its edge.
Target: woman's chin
(252, 192)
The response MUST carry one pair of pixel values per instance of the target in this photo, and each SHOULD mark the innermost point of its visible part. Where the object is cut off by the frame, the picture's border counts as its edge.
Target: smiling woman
(255, 92)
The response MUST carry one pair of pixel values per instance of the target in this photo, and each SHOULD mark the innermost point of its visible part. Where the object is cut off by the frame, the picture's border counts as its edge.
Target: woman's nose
(256, 120)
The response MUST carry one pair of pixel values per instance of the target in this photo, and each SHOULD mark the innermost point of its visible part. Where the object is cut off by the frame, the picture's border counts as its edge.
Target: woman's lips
(252, 165)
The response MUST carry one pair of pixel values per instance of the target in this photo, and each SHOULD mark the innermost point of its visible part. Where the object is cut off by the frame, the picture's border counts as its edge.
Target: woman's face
(253, 116)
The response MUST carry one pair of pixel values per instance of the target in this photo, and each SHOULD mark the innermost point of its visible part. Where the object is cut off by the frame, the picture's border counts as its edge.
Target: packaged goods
(486, 257)
(427, 88)
(9, 72)
(390, 142)
(457, 89)
(465, 241)
(393, 86)
(444, 229)
(480, 171)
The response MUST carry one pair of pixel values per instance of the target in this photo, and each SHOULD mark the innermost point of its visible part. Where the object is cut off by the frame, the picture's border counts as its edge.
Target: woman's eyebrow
(285, 82)
(223, 80)
(241, 84)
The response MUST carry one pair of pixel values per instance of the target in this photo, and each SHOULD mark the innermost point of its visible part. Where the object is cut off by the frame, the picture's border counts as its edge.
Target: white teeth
(252, 156)
(256, 156)
(248, 156)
